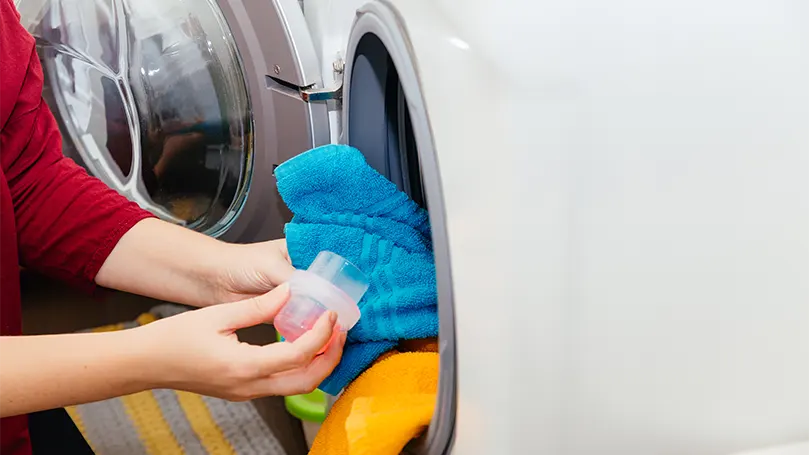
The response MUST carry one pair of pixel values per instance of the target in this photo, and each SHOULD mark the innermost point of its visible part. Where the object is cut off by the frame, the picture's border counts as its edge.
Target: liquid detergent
(330, 283)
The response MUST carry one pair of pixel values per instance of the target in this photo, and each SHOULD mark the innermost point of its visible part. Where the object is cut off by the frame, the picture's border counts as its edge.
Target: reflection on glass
(151, 98)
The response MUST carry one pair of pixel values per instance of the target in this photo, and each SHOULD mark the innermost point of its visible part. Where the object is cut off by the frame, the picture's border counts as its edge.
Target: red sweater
(54, 218)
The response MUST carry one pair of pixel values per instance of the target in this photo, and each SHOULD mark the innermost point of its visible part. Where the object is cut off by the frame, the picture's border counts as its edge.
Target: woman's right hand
(198, 351)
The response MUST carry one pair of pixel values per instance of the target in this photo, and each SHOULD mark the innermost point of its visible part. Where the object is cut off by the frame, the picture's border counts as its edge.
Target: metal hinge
(325, 94)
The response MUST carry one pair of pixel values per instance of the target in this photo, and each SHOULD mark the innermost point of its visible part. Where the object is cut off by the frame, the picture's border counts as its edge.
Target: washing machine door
(385, 116)
(183, 107)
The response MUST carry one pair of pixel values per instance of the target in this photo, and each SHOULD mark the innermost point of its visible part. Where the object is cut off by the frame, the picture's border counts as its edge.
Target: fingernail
(332, 317)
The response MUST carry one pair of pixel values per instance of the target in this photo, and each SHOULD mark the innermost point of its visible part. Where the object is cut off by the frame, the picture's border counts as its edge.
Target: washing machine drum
(151, 98)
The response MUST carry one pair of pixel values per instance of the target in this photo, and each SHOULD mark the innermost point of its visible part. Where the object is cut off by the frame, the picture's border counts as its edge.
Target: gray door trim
(275, 44)
(381, 19)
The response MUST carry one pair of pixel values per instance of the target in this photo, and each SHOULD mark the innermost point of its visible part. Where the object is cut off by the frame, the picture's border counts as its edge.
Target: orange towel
(382, 410)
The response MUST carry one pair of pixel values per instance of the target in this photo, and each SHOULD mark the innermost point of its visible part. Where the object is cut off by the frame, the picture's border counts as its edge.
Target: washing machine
(618, 190)
(188, 107)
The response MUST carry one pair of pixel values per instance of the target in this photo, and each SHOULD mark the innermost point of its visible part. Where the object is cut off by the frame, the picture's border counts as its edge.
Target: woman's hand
(199, 351)
(168, 262)
(252, 269)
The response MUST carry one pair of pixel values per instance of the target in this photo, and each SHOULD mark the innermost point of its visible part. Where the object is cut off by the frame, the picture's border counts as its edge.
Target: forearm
(167, 262)
(50, 371)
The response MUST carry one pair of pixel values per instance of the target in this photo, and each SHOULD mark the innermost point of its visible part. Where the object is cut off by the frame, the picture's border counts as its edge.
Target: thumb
(254, 310)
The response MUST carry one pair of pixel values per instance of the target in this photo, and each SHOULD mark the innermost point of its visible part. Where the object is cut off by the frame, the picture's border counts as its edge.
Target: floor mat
(170, 422)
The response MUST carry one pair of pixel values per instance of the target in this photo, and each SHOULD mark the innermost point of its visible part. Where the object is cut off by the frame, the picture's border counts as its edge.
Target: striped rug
(170, 422)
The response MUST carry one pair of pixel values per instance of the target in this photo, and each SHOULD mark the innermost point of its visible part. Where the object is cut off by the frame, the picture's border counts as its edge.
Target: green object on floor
(310, 407)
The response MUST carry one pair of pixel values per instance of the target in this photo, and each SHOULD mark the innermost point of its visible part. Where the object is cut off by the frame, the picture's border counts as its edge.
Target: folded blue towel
(341, 204)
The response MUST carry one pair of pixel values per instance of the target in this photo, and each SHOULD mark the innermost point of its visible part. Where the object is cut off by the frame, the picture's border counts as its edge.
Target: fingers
(308, 378)
(246, 371)
(287, 356)
(315, 340)
(253, 311)
(283, 271)
(305, 379)
(249, 381)
(282, 246)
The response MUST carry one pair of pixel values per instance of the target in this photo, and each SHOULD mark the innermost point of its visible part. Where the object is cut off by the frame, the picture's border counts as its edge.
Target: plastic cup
(330, 283)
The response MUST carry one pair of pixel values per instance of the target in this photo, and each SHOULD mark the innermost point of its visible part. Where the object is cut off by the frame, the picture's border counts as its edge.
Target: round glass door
(151, 98)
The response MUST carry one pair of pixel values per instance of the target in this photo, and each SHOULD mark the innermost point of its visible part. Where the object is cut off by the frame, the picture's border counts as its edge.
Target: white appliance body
(620, 193)
(627, 193)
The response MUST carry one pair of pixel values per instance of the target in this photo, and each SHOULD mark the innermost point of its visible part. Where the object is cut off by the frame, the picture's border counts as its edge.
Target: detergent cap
(341, 273)
(330, 283)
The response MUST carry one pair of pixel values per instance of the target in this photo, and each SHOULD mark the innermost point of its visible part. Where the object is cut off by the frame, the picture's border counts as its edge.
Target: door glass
(151, 98)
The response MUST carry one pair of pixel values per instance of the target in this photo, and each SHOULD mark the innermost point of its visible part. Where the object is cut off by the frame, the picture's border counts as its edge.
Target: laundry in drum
(342, 205)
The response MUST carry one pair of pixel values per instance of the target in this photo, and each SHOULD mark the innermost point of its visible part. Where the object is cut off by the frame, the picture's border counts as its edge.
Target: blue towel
(341, 204)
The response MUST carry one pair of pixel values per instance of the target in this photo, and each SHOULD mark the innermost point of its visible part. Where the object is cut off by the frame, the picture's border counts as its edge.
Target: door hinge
(323, 94)
(335, 92)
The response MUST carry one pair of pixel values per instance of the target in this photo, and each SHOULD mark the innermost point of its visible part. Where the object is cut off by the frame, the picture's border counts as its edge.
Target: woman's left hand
(253, 269)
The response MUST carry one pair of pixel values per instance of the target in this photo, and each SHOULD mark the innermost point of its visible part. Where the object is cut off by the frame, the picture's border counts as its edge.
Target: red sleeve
(67, 222)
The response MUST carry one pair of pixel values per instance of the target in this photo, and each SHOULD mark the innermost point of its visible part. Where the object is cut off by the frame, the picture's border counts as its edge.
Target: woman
(56, 219)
